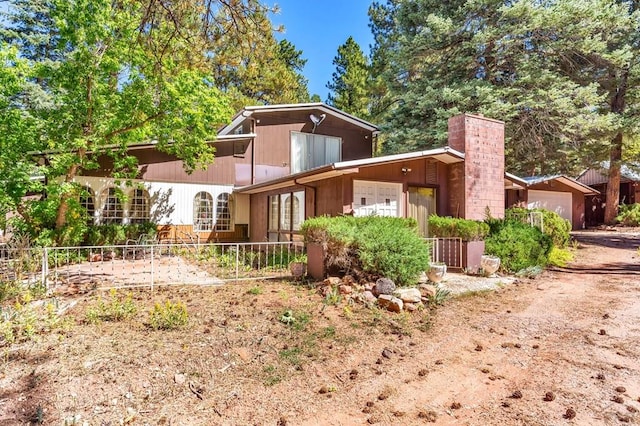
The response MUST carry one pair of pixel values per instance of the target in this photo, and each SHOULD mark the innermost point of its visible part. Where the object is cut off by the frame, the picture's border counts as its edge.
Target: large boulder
(384, 286)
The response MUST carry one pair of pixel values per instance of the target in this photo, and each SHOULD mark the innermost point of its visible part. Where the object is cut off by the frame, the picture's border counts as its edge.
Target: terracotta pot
(298, 269)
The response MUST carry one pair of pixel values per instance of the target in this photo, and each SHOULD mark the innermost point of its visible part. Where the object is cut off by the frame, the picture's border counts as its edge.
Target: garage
(555, 201)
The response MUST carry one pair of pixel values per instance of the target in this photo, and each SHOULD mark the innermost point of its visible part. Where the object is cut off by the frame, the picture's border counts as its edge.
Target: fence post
(152, 265)
(237, 262)
(45, 268)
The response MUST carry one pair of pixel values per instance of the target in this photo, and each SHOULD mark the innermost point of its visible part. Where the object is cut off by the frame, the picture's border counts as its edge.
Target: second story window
(309, 151)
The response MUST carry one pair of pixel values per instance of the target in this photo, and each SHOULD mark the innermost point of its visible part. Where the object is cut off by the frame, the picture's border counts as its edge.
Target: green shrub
(114, 234)
(468, 230)
(168, 316)
(115, 308)
(560, 256)
(554, 225)
(629, 214)
(518, 245)
(372, 246)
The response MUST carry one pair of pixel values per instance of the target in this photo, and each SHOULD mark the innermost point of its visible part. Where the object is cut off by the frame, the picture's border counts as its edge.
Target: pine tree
(349, 83)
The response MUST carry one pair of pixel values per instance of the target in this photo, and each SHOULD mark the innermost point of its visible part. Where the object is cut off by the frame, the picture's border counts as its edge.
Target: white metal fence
(79, 269)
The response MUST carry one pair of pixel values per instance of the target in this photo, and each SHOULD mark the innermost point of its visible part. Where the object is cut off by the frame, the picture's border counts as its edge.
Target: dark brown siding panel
(258, 228)
(329, 197)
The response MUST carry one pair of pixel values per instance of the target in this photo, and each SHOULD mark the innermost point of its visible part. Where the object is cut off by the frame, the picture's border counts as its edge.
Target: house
(597, 178)
(558, 193)
(276, 165)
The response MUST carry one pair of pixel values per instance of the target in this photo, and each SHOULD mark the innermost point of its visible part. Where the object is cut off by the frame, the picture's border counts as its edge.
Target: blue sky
(318, 28)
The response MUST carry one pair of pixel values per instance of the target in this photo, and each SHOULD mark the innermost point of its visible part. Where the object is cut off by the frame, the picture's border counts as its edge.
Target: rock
(390, 303)
(384, 286)
(332, 281)
(369, 286)
(180, 379)
(410, 307)
(369, 297)
(345, 289)
(411, 295)
(427, 290)
(243, 353)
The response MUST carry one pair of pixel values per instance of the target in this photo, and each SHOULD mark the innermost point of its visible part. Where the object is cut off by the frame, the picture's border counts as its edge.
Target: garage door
(559, 202)
(376, 198)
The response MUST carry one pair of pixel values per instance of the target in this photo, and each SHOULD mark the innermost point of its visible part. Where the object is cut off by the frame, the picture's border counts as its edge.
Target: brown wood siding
(158, 166)
(185, 234)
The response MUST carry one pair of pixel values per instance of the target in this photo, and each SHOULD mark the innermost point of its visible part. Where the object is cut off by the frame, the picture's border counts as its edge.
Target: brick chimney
(479, 182)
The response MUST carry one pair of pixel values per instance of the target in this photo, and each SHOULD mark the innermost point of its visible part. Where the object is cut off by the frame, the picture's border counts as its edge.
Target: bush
(116, 308)
(554, 225)
(629, 214)
(518, 245)
(113, 234)
(468, 230)
(373, 246)
(169, 316)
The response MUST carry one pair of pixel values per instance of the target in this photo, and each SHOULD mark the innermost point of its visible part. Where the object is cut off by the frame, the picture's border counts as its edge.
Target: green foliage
(468, 230)
(377, 246)
(297, 320)
(518, 245)
(256, 290)
(25, 320)
(554, 225)
(333, 297)
(560, 256)
(440, 296)
(629, 214)
(168, 316)
(349, 83)
(114, 308)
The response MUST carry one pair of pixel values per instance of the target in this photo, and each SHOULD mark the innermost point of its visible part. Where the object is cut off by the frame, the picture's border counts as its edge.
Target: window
(223, 213)
(88, 203)
(286, 214)
(112, 211)
(309, 151)
(139, 210)
(203, 212)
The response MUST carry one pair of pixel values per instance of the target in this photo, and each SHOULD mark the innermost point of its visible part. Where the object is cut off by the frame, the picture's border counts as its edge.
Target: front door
(422, 203)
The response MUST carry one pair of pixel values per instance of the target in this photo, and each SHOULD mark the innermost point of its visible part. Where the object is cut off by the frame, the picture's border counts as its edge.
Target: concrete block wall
(482, 183)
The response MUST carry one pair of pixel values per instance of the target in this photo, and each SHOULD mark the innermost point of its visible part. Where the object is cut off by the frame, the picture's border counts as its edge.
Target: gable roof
(565, 180)
(598, 175)
(250, 111)
(445, 154)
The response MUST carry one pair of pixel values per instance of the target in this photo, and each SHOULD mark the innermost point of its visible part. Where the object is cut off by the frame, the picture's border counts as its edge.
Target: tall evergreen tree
(349, 83)
(551, 70)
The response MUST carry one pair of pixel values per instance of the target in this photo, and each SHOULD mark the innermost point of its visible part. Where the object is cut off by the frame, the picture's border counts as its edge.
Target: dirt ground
(563, 348)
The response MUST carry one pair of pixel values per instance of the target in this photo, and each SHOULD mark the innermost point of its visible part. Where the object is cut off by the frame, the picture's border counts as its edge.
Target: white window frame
(111, 204)
(224, 218)
(203, 205)
(139, 207)
(304, 149)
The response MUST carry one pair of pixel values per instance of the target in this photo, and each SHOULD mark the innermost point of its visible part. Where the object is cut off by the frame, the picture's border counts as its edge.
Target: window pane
(88, 203)
(298, 210)
(223, 213)
(310, 151)
(273, 212)
(112, 208)
(203, 212)
(139, 211)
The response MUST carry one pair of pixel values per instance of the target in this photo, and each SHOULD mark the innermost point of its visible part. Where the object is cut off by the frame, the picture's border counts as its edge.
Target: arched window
(112, 211)
(139, 210)
(203, 212)
(223, 213)
(87, 201)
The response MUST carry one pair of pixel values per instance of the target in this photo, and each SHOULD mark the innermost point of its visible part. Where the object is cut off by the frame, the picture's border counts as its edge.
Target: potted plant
(471, 232)
(298, 265)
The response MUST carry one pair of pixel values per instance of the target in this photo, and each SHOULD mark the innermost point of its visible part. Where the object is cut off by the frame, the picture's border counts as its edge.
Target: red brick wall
(482, 141)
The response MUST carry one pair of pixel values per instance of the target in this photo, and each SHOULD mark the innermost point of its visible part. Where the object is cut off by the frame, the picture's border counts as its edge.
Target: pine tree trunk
(615, 154)
(613, 185)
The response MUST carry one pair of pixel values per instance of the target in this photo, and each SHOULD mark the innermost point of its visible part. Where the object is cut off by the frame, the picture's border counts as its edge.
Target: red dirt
(238, 364)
